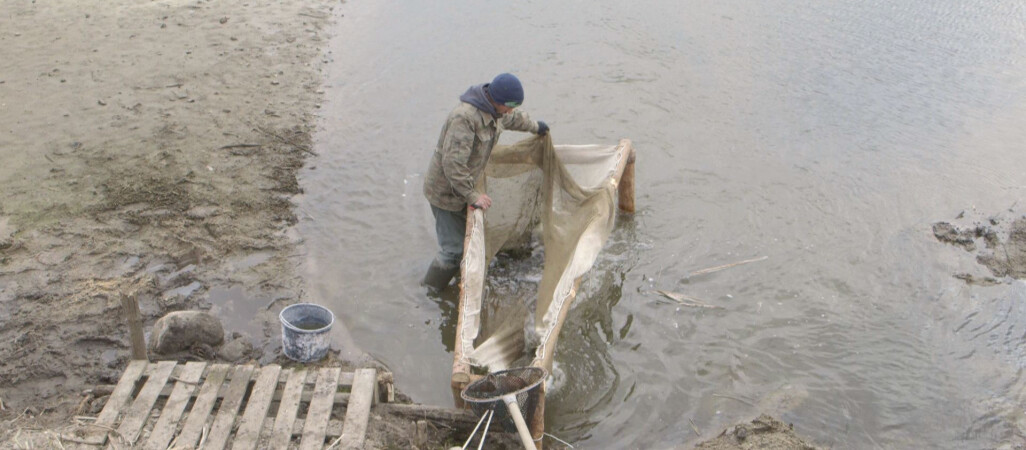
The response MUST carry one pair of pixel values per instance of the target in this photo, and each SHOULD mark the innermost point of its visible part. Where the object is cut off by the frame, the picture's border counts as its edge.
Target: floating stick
(685, 300)
(727, 266)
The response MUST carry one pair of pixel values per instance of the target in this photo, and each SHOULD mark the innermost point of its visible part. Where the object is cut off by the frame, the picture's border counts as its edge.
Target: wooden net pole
(130, 307)
(460, 369)
(626, 187)
(537, 425)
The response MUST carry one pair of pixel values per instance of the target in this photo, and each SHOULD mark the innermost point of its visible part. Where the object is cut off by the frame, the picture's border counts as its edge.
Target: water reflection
(448, 301)
(824, 135)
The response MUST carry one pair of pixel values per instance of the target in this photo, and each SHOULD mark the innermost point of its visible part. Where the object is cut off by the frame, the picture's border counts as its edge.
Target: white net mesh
(569, 190)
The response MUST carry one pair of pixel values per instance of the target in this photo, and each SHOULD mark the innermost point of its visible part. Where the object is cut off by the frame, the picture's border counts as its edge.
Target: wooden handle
(514, 410)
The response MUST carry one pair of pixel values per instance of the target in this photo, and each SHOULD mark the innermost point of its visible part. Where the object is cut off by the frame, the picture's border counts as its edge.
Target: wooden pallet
(201, 406)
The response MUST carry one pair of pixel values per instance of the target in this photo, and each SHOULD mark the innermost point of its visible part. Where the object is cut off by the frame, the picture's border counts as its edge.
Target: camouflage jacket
(464, 145)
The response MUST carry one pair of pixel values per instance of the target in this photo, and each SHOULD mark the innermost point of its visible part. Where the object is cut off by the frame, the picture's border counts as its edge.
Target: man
(468, 136)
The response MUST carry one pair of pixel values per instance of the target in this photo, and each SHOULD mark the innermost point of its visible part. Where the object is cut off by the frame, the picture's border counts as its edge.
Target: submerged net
(563, 196)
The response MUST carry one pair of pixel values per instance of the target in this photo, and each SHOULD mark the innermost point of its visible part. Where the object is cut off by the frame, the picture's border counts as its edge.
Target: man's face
(502, 109)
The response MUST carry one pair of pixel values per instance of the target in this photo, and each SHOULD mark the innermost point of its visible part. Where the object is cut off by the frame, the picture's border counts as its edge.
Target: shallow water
(826, 136)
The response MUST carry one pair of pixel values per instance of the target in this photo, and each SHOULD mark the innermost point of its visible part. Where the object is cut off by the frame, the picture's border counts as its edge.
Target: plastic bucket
(304, 331)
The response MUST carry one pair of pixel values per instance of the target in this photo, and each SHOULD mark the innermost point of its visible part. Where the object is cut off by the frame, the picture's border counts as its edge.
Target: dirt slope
(148, 147)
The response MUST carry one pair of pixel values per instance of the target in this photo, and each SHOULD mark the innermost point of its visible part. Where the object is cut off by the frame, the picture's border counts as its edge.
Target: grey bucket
(304, 331)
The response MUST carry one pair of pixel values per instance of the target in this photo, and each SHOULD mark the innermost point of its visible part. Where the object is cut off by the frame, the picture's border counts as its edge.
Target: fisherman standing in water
(468, 136)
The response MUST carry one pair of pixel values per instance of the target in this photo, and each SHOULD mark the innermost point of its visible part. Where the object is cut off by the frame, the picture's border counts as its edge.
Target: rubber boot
(439, 275)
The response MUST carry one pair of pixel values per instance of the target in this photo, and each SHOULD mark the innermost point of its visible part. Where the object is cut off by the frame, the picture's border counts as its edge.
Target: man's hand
(483, 202)
(543, 128)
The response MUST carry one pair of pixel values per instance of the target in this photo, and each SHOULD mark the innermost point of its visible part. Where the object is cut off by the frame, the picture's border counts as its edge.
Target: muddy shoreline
(151, 150)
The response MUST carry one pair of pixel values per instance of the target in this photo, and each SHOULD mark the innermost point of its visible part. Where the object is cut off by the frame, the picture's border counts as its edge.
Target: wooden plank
(197, 418)
(137, 414)
(286, 417)
(460, 420)
(259, 403)
(97, 433)
(187, 383)
(341, 398)
(386, 387)
(222, 427)
(122, 393)
(320, 408)
(346, 379)
(354, 429)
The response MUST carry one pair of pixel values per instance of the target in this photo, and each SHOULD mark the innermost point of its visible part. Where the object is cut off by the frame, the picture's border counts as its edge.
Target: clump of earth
(764, 432)
(998, 241)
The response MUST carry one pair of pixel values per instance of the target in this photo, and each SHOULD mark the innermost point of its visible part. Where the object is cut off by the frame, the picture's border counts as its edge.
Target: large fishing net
(563, 197)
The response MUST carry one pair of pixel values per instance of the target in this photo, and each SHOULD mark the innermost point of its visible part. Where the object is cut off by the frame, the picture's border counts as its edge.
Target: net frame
(487, 393)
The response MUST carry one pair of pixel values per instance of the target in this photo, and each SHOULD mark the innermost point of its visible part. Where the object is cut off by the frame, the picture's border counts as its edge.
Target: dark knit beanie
(506, 90)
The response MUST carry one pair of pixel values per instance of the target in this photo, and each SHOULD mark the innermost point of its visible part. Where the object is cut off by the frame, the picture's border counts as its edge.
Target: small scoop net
(487, 393)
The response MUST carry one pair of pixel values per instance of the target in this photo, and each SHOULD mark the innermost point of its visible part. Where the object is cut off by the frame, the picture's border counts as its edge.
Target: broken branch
(238, 146)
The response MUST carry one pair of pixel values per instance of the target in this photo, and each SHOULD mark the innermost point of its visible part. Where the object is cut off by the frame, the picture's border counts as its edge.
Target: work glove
(543, 128)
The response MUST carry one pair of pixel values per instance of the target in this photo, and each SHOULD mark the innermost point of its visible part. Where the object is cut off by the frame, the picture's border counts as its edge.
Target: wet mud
(149, 151)
(998, 242)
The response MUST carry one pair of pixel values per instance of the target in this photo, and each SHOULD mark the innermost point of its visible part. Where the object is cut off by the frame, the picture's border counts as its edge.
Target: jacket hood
(478, 97)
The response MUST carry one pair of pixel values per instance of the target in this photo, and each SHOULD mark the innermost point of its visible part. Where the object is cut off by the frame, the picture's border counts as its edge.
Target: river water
(826, 136)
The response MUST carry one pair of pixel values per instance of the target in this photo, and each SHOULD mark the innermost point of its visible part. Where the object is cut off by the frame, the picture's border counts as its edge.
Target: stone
(236, 350)
(181, 330)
